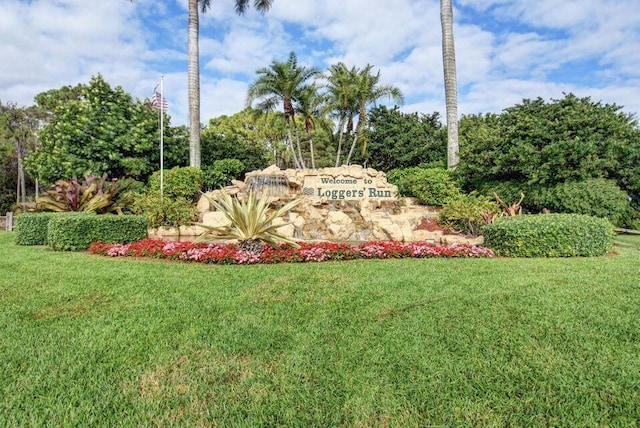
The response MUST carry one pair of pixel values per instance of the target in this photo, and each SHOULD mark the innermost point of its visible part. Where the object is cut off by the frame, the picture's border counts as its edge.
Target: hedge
(32, 228)
(550, 235)
(76, 233)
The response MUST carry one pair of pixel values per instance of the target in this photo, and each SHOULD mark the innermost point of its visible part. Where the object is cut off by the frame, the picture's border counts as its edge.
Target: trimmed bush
(431, 186)
(179, 182)
(597, 197)
(550, 235)
(31, 229)
(76, 233)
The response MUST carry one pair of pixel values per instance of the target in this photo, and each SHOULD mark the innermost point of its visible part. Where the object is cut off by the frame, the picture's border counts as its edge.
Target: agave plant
(89, 195)
(251, 222)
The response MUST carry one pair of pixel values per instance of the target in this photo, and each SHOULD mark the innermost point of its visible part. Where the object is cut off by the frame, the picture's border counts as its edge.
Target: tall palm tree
(450, 82)
(282, 82)
(310, 106)
(341, 98)
(368, 91)
(193, 67)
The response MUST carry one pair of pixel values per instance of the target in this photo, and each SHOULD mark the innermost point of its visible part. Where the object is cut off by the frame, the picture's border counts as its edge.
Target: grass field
(93, 341)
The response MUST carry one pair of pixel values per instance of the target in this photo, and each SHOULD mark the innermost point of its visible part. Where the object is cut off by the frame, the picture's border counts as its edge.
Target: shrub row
(75, 231)
(32, 228)
(551, 235)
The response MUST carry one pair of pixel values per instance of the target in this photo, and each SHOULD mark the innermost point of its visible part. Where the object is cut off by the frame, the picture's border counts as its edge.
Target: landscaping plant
(90, 194)
(251, 222)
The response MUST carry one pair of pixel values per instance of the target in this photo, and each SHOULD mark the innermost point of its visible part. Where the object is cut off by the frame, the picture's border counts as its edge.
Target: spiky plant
(91, 194)
(251, 222)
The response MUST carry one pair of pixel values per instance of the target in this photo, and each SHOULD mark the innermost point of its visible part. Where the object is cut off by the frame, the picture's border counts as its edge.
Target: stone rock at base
(215, 219)
(287, 230)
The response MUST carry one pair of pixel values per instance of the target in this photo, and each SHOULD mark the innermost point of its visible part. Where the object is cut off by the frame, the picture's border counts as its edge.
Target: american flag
(160, 102)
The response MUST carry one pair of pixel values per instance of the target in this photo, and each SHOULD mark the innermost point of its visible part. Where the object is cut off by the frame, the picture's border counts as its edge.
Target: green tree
(193, 67)
(368, 91)
(282, 83)
(450, 82)
(397, 139)
(18, 137)
(342, 99)
(536, 144)
(101, 130)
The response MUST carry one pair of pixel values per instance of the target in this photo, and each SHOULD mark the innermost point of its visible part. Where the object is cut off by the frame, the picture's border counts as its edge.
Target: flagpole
(161, 134)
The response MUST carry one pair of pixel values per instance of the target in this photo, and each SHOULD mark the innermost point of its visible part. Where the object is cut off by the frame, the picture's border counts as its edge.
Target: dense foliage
(551, 235)
(31, 229)
(77, 232)
(431, 186)
(400, 140)
(179, 182)
(596, 196)
(222, 172)
(164, 211)
(96, 129)
(307, 252)
(536, 143)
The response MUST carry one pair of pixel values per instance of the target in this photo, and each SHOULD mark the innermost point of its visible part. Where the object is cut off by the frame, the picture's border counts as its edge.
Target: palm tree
(281, 82)
(193, 67)
(368, 91)
(341, 98)
(450, 83)
(310, 106)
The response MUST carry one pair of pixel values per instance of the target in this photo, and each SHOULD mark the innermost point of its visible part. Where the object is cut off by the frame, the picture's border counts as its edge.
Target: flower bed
(308, 252)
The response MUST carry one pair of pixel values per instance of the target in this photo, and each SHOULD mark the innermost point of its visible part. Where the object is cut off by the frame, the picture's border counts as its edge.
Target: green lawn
(92, 341)
(630, 240)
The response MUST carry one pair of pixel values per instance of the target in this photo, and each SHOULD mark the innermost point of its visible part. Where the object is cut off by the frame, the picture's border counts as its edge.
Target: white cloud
(506, 49)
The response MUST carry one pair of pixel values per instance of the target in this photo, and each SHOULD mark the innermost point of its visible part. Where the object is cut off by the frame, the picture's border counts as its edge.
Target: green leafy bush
(31, 229)
(597, 197)
(468, 213)
(222, 172)
(76, 233)
(550, 235)
(165, 211)
(179, 182)
(431, 186)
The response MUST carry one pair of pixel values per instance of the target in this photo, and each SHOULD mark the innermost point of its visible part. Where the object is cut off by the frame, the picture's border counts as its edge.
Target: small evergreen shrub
(31, 229)
(431, 186)
(468, 213)
(597, 197)
(222, 172)
(549, 235)
(179, 182)
(165, 211)
(76, 233)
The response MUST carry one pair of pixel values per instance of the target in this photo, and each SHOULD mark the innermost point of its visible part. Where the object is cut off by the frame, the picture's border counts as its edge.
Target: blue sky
(507, 50)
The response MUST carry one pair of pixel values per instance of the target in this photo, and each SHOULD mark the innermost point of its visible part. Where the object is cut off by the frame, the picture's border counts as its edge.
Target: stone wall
(351, 203)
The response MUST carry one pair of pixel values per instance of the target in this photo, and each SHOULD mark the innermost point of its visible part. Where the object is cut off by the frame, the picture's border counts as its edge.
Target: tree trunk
(296, 163)
(302, 164)
(193, 72)
(21, 190)
(450, 82)
(353, 146)
(341, 133)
